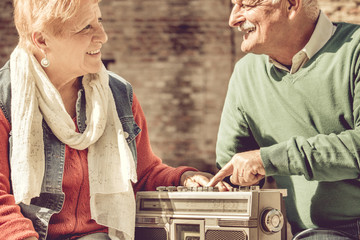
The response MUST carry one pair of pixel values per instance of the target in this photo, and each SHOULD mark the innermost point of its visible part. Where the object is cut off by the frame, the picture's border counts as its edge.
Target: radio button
(272, 220)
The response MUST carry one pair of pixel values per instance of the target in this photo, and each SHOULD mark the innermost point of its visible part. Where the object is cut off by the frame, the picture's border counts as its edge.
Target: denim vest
(51, 198)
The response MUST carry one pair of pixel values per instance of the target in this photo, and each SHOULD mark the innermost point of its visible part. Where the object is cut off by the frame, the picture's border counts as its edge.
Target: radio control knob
(272, 220)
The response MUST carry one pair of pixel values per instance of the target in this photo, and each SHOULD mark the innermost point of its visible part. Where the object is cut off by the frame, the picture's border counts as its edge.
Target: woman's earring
(45, 62)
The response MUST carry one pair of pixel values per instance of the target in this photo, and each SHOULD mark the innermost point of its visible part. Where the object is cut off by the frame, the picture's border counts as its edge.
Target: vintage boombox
(204, 213)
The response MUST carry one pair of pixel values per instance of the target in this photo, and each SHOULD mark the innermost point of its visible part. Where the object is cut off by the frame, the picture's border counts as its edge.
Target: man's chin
(246, 50)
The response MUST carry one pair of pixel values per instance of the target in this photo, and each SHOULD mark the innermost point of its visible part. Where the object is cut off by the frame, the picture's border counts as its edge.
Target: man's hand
(245, 168)
(197, 179)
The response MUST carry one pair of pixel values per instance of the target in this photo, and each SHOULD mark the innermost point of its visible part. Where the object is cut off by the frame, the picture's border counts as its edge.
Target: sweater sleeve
(150, 169)
(234, 134)
(323, 157)
(13, 225)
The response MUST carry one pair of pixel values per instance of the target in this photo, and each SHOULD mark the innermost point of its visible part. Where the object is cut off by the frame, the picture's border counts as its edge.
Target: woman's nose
(101, 35)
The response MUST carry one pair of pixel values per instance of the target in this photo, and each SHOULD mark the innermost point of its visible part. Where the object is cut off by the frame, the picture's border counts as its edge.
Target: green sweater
(307, 126)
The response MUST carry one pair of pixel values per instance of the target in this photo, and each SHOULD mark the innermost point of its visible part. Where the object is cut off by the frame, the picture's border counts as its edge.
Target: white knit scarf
(110, 162)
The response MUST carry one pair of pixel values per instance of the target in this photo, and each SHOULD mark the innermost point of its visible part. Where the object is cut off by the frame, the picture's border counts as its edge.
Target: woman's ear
(39, 40)
(293, 7)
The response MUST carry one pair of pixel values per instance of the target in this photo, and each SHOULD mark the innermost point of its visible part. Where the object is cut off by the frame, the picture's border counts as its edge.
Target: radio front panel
(187, 214)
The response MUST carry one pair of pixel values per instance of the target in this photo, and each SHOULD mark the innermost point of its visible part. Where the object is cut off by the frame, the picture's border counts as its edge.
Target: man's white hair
(311, 7)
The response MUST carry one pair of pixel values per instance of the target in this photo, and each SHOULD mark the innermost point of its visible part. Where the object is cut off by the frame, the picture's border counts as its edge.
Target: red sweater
(74, 218)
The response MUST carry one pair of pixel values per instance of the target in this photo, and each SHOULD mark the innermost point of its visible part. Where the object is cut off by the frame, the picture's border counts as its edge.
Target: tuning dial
(272, 220)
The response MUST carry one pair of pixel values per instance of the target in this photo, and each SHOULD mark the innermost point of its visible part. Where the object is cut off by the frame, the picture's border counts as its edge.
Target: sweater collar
(323, 31)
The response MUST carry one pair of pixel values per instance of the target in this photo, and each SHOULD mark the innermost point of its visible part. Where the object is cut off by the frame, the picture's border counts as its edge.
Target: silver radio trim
(167, 203)
(178, 213)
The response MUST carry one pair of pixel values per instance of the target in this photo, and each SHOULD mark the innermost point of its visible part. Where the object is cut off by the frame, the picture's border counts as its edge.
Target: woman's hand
(31, 238)
(198, 179)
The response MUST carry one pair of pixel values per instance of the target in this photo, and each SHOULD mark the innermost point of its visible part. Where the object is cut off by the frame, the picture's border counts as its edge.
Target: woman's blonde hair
(42, 15)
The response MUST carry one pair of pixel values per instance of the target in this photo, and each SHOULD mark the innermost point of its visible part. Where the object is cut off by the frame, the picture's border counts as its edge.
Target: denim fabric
(343, 232)
(5, 90)
(51, 198)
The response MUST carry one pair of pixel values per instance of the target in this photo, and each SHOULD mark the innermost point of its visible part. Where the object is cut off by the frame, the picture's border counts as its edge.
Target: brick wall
(8, 34)
(179, 56)
(342, 10)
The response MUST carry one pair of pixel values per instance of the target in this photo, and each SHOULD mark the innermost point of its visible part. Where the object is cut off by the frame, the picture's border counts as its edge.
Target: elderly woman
(74, 145)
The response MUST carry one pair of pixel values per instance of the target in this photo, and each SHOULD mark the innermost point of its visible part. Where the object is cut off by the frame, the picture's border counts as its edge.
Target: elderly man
(292, 111)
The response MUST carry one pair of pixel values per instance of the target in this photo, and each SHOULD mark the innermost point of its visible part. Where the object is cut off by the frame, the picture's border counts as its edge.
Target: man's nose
(236, 16)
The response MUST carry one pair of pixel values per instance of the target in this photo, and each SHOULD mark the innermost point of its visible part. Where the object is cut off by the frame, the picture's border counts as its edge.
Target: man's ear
(293, 7)
(39, 40)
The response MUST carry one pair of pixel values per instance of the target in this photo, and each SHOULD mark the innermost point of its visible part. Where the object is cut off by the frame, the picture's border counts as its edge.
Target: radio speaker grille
(225, 235)
(150, 234)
